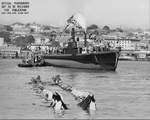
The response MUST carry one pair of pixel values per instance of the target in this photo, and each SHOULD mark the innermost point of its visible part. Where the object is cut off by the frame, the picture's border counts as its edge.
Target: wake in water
(54, 99)
(85, 99)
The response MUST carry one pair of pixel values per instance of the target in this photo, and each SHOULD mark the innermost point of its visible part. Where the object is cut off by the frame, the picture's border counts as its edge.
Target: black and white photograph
(74, 59)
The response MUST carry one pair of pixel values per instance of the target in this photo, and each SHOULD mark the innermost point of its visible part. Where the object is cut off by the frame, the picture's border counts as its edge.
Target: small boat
(32, 60)
(25, 65)
(32, 65)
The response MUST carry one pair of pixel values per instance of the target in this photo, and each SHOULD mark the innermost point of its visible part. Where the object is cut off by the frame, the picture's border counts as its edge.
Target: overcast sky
(115, 13)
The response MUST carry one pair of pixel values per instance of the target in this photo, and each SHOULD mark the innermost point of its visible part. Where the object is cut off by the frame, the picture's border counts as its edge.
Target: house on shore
(9, 51)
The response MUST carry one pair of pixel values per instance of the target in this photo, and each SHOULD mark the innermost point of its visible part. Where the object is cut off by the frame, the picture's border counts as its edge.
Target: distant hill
(2, 27)
(18, 23)
(132, 29)
(148, 29)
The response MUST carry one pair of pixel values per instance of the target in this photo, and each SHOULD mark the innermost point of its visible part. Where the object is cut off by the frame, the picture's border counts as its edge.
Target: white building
(1, 41)
(20, 29)
(125, 44)
(9, 51)
(36, 27)
(41, 39)
(17, 26)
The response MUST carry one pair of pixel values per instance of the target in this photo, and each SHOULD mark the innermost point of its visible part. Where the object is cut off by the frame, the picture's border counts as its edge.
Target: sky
(114, 13)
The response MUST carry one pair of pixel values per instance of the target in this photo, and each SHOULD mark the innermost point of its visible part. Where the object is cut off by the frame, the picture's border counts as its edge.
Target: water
(121, 94)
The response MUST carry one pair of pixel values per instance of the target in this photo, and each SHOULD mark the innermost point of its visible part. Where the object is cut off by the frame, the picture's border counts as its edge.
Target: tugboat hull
(104, 60)
(32, 65)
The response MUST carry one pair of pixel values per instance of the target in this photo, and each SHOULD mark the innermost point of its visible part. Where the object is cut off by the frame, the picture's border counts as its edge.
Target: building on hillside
(17, 26)
(39, 39)
(2, 28)
(47, 48)
(125, 44)
(24, 52)
(1, 41)
(144, 45)
(10, 51)
(36, 27)
(20, 29)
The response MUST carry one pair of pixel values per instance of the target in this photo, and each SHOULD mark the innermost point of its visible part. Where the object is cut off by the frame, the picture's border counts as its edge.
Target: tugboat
(74, 57)
(32, 60)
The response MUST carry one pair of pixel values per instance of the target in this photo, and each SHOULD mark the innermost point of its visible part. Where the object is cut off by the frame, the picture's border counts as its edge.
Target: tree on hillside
(29, 39)
(32, 30)
(6, 36)
(24, 41)
(93, 26)
(19, 41)
(8, 28)
(46, 28)
(119, 30)
(106, 28)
